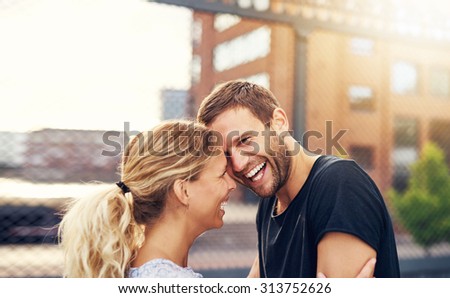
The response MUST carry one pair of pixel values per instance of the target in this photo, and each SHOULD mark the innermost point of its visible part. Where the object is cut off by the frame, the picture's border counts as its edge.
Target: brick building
(389, 96)
(63, 155)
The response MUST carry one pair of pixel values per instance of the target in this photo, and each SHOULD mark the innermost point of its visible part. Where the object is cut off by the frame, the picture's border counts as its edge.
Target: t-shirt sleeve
(346, 200)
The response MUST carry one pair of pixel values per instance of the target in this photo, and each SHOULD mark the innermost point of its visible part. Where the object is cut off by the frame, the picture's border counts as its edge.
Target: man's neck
(301, 165)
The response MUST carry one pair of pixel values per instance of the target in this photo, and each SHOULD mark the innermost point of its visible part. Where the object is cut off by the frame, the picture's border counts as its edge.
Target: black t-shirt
(338, 196)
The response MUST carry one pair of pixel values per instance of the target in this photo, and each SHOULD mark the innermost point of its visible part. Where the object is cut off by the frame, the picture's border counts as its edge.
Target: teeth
(255, 170)
(222, 205)
(259, 176)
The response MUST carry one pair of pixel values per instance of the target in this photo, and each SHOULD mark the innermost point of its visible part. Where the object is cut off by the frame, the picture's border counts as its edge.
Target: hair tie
(123, 187)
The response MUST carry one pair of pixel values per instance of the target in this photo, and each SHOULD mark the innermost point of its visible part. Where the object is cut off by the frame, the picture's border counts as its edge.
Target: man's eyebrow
(247, 133)
(236, 138)
(231, 142)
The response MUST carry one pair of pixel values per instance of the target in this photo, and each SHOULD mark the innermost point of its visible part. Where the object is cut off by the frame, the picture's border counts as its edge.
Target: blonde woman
(173, 187)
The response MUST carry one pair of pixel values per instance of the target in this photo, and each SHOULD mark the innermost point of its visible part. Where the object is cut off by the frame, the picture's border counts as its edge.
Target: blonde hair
(100, 235)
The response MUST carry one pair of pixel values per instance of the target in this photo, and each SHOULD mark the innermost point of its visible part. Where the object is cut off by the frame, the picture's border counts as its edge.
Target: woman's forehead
(218, 161)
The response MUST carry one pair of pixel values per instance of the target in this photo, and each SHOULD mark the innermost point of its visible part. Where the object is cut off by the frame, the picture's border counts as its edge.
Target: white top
(161, 268)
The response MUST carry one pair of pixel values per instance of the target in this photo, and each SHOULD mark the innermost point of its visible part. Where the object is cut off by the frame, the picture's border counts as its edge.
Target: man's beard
(280, 165)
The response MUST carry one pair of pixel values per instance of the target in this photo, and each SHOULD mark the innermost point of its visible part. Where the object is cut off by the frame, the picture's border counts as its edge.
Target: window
(261, 5)
(439, 135)
(262, 79)
(361, 98)
(258, 5)
(405, 150)
(196, 69)
(405, 132)
(224, 21)
(362, 46)
(404, 78)
(197, 28)
(363, 155)
(440, 82)
(174, 103)
(242, 49)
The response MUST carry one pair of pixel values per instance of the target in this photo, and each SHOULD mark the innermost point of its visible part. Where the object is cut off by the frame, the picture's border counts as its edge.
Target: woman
(173, 187)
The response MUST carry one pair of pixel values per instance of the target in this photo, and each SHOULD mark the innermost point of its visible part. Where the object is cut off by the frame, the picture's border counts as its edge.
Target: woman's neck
(168, 239)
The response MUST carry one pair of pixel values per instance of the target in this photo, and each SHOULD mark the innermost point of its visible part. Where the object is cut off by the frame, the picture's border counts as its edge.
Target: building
(12, 149)
(63, 155)
(384, 97)
(175, 104)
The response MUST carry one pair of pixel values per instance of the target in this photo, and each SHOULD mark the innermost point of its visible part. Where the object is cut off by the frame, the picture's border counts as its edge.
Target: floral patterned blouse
(160, 268)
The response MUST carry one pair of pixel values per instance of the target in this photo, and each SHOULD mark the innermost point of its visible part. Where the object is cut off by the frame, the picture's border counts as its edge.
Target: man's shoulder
(329, 166)
(334, 174)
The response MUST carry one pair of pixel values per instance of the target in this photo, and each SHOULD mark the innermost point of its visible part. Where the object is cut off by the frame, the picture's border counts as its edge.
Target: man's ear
(181, 192)
(279, 120)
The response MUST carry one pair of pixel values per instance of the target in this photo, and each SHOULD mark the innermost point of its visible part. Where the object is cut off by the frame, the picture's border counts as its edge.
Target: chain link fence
(53, 143)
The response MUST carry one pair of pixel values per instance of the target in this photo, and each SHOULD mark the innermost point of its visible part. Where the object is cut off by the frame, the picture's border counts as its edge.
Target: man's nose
(238, 161)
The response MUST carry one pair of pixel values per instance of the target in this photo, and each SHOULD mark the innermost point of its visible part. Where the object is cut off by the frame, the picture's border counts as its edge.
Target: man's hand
(366, 271)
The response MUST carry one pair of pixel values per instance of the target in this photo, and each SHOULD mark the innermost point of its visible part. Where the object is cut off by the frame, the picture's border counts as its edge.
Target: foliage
(424, 208)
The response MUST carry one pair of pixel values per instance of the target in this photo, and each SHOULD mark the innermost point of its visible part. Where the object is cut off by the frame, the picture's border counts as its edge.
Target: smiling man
(317, 213)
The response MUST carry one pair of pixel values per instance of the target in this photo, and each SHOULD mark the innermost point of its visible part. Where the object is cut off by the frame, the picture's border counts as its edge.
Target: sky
(89, 64)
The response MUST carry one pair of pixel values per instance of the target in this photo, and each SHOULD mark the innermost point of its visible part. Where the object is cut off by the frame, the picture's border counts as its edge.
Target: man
(318, 213)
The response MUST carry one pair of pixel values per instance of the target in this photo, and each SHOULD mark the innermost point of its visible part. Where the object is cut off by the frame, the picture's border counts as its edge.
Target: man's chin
(262, 191)
(264, 194)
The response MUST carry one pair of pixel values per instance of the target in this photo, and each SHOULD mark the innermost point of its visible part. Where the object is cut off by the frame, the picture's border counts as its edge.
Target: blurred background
(366, 80)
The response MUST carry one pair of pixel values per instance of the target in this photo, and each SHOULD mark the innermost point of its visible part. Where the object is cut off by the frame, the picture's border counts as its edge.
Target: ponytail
(99, 235)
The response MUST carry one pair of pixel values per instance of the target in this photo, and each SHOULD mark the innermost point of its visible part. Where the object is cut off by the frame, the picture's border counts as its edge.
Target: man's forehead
(231, 136)
(236, 120)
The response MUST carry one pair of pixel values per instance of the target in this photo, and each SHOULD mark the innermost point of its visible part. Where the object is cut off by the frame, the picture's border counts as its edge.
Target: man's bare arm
(344, 255)
(366, 272)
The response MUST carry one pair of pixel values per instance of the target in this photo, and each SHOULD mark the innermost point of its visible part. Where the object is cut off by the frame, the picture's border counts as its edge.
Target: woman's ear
(181, 192)
(279, 120)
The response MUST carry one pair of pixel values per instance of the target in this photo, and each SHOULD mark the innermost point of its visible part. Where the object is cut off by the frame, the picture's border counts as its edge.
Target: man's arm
(342, 255)
(254, 271)
(366, 271)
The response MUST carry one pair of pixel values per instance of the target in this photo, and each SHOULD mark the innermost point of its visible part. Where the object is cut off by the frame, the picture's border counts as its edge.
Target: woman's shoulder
(162, 268)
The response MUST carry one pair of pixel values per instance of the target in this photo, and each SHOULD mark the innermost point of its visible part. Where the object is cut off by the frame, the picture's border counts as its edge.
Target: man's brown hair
(238, 94)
